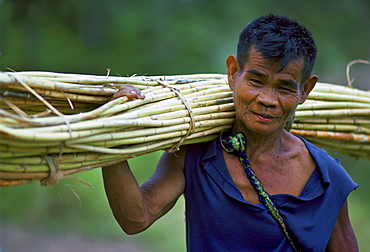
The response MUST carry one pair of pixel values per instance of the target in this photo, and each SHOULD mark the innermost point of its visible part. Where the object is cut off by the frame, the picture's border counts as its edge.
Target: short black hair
(280, 39)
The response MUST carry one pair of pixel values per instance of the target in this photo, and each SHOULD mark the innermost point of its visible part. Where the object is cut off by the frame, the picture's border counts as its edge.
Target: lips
(264, 117)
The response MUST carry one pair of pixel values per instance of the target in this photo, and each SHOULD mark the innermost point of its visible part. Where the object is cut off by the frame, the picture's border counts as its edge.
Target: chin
(261, 130)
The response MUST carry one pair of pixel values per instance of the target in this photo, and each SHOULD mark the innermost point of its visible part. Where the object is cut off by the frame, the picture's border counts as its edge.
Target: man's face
(265, 98)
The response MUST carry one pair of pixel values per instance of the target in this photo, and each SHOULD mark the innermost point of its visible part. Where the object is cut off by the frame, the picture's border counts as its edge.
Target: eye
(287, 89)
(255, 81)
(288, 86)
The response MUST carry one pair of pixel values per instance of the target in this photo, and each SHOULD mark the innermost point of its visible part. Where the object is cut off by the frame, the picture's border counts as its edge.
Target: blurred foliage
(169, 37)
(160, 38)
(71, 207)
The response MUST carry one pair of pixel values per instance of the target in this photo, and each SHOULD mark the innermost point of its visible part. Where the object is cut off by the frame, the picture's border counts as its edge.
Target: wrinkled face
(265, 97)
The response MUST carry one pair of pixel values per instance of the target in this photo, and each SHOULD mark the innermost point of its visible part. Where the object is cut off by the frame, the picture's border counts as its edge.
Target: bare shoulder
(177, 159)
(171, 166)
(174, 160)
(169, 172)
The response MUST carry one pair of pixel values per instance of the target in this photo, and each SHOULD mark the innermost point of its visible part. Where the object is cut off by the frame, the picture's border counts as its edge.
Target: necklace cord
(236, 145)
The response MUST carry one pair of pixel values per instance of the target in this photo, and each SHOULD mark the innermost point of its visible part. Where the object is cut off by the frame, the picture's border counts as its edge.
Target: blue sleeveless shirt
(219, 219)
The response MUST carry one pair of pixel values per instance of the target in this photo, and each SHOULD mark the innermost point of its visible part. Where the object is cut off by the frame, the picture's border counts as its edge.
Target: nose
(267, 98)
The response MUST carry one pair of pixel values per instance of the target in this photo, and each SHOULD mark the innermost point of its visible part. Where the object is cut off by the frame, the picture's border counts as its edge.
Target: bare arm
(343, 237)
(136, 208)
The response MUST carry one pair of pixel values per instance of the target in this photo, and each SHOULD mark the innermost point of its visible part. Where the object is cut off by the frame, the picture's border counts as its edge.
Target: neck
(261, 145)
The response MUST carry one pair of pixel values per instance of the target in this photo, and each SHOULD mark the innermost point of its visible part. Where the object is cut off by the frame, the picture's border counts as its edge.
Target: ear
(232, 69)
(307, 87)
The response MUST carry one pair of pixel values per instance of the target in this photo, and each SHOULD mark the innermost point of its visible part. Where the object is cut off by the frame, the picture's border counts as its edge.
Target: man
(285, 195)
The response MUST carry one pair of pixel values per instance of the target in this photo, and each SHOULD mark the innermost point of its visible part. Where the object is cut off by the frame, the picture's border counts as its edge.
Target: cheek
(289, 103)
(244, 92)
(242, 98)
(239, 106)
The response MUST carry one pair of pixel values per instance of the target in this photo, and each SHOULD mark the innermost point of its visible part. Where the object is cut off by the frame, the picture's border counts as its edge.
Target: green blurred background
(153, 38)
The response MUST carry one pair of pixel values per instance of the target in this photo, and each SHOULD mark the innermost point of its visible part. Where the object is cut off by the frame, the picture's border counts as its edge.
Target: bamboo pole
(53, 125)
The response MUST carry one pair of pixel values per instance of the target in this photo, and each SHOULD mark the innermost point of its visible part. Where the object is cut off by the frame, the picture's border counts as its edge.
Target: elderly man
(257, 187)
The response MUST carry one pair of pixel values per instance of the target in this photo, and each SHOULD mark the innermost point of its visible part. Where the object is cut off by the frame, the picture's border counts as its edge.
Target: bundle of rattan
(336, 118)
(54, 125)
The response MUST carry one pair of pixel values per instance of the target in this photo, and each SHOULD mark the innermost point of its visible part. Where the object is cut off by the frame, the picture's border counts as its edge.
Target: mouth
(264, 117)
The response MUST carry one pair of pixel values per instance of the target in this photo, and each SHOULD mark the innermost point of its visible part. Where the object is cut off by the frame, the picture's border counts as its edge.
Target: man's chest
(276, 179)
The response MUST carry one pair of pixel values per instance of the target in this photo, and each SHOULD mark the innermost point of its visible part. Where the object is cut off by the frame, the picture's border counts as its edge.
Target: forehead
(257, 62)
